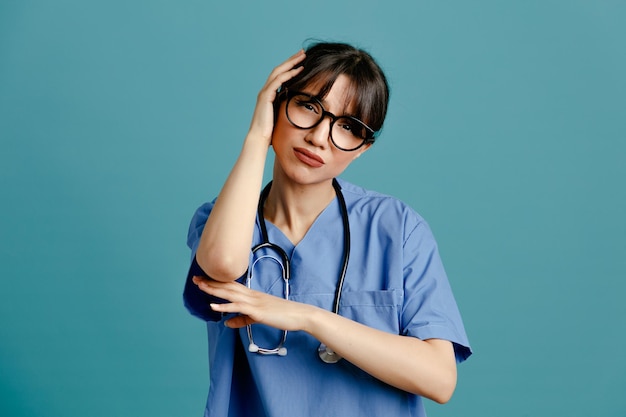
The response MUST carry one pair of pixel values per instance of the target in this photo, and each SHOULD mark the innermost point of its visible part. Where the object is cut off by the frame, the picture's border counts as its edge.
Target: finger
(239, 322)
(285, 71)
(226, 307)
(201, 282)
(274, 84)
(298, 56)
(197, 279)
(241, 309)
(230, 291)
(291, 62)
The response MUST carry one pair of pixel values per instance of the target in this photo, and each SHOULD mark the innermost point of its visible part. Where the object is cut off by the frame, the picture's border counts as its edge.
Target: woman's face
(307, 156)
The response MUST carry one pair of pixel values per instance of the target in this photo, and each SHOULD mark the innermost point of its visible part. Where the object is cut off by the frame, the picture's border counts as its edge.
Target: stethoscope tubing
(325, 354)
(346, 245)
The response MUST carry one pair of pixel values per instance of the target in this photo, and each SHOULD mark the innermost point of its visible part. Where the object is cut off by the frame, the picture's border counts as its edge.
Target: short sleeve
(429, 308)
(195, 300)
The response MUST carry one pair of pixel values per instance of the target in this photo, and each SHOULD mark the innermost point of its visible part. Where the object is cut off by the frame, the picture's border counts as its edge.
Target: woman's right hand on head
(263, 118)
(224, 249)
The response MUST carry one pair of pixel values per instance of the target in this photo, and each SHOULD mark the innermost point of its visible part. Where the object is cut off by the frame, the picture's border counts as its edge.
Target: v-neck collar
(278, 237)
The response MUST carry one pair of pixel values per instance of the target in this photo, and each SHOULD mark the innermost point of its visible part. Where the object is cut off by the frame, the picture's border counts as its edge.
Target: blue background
(506, 130)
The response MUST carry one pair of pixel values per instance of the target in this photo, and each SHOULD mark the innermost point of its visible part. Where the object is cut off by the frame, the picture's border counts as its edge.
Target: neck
(294, 207)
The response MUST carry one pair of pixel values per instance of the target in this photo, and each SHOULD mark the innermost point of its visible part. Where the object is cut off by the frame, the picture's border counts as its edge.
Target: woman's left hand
(254, 306)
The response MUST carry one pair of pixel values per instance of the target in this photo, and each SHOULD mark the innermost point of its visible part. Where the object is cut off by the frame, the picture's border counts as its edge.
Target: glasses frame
(371, 137)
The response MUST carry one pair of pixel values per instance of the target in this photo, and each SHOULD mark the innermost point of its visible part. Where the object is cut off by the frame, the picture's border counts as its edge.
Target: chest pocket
(377, 309)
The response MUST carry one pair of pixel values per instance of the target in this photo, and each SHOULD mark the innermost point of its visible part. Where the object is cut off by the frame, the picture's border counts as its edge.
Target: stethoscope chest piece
(327, 355)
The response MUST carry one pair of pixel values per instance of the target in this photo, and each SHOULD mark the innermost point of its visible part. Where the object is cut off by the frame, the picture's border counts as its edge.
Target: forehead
(338, 96)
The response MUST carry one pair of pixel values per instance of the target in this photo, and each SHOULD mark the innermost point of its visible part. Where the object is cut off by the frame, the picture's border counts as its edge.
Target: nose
(320, 135)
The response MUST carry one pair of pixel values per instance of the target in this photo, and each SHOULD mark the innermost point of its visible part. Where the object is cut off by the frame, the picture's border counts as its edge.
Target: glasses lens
(304, 111)
(348, 133)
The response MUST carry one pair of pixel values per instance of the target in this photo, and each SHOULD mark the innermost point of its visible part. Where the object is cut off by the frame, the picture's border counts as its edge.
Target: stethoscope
(325, 353)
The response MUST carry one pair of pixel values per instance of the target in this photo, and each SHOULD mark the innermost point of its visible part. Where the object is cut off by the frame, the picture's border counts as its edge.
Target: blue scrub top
(395, 282)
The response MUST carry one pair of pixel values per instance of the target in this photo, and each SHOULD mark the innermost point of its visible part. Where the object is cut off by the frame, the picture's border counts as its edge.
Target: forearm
(227, 237)
(426, 368)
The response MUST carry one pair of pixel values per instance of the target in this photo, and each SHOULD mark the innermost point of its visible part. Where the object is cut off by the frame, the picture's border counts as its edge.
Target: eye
(346, 127)
(307, 104)
(351, 127)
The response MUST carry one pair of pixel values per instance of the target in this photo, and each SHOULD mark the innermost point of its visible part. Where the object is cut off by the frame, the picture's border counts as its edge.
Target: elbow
(221, 266)
(444, 390)
(443, 396)
(437, 386)
(438, 379)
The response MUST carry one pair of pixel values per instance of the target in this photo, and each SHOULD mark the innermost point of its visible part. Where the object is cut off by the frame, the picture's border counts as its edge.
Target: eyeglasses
(347, 133)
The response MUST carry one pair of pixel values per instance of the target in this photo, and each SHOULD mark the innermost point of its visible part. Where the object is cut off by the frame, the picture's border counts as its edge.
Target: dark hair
(368, 91)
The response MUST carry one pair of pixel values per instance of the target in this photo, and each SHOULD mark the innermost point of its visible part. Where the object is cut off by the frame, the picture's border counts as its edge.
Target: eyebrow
(325, 106)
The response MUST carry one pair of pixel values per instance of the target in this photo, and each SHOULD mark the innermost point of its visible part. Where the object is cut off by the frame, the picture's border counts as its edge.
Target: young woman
(321, 298)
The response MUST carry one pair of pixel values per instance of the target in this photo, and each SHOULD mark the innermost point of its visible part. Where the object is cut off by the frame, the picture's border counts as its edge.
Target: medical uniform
(395, 282)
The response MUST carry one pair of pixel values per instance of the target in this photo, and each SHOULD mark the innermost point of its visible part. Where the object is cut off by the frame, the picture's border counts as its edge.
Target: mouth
(309, 158)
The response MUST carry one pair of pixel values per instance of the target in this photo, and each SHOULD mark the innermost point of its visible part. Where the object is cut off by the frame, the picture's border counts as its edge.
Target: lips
(308, 157)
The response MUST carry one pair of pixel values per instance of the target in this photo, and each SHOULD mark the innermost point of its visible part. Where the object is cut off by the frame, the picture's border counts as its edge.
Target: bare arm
(423, 367)
(426, 368)
(225, 244)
